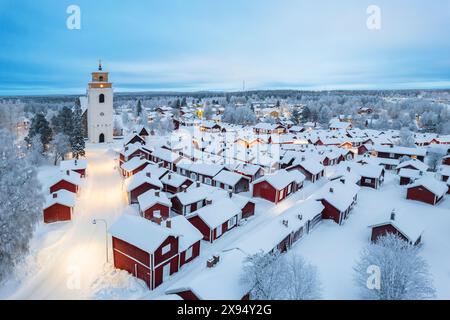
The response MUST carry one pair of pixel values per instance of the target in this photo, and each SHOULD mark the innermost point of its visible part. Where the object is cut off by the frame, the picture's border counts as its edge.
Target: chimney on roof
(76, 162)
(197, 184)
(300, 217)
(230, 194)
(55, 195)
(349, 169)
(160, 164)
(126, 148)
(157, 194)
(68, 172)
(393, 215)
(183, 188)
(148, 174)
(169, 176)
(169, 223)
(285, 223)
(331, 190)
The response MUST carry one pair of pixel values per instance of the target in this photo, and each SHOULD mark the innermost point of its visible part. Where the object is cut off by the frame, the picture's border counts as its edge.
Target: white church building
(98, 108)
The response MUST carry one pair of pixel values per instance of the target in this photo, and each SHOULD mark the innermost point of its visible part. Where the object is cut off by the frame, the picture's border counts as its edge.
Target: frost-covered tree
(434, 159)
(208, 112)
(276, 276)
(138, 109)
(60, 146)
(35, 151)
(40, 126)
(406, 138)
(77, 143)
(295, 116)
(392, 269)
(21, 203)
(63, 121)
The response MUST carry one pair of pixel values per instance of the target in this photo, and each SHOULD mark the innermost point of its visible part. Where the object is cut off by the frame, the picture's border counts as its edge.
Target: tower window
(101, 98)
(100, 78)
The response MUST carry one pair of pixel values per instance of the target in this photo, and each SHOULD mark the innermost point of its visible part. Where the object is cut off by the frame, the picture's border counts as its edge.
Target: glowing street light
(94, 221)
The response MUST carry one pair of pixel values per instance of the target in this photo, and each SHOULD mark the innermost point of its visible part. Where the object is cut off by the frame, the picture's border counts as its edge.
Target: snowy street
(73, 254)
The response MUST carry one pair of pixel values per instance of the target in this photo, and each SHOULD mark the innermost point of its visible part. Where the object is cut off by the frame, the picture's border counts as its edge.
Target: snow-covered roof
(206, 169)
(142, 177)
(74, 164)
(419, 165)
(409, 173)
(218, 212)
(174, 179)
(194, 194)
(437, 187)
(311, 165)
(406, 224)
(67, 175)
(282, 178)
(152, 197)
(400, 150)
(63, 197)
(229, 178)
(134, 163)
(222, 282)
(140, 232)
(339, 195)
(189, 234)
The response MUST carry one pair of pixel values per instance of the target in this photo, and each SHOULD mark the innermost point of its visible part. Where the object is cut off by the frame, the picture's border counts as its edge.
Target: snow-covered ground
(67, 260)
(334, 249)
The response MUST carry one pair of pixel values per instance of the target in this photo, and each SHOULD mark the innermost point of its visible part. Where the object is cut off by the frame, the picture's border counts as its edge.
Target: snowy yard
(334, 249)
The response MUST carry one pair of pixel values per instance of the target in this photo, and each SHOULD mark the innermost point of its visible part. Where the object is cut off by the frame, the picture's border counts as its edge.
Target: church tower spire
(100, 68)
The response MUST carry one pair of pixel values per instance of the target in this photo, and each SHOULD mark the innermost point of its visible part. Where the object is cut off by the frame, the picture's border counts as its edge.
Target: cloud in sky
(215, 45)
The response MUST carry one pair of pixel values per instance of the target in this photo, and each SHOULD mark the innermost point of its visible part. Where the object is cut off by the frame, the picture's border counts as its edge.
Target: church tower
(100, 107)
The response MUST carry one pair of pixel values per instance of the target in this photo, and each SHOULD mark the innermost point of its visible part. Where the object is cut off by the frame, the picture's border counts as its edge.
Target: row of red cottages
(59, 205)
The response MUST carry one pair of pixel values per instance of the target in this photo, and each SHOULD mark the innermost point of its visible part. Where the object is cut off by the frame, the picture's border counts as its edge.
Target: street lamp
(94, 221)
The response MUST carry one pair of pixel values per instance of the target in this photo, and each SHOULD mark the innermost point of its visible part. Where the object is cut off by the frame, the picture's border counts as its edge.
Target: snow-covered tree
(392, 269)
(40, 126)
(138, 109)
(296, 116)
(60, 146)
(21, 203)
(208, 112)
(275, 276)
(406, 138)
(77, 135)
(35, 151)
(434, 159)
(63, 121)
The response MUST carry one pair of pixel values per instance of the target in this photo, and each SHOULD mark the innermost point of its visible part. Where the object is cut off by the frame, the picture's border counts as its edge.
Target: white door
(166, 272)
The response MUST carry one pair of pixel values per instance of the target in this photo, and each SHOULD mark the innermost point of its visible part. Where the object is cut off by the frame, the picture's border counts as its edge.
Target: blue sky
(192, 45)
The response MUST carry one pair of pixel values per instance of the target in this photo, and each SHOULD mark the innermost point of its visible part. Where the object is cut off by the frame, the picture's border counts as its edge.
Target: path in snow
(74, 261)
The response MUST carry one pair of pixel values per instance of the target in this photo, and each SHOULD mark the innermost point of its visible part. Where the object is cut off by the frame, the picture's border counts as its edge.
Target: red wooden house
(133, 166)
(154, 205)
(402, 226)
(174, 182)
(412, 164)
(191, 199)
(59, 206)
(428, 190)
(338, 200)
(311, 168)
(216, 219)
(231, 181)
(141, 183)
(408, 176)
(133, 150)
(446, 160)
(278, 186)
(134, 138)
(153, 252)
(67, 180)
(444, 173)
(77, 165)
(251, 171)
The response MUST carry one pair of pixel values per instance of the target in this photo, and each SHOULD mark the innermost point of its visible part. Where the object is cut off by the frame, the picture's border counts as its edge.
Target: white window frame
(166, 271)
(157, 213)
(391, 155)
(193, 176)
(166, 249)
(232, 222)
(281, 194)
(208, 181)
(187, 209)
(189, 253)
(289, 190)
(367, 180)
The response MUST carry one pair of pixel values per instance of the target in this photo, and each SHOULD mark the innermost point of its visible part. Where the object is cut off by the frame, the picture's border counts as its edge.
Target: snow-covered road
(73, 255)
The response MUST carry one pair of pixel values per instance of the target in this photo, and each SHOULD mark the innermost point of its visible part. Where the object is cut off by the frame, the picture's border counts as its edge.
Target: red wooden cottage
(402, 226)
(191, 199)
(231, 181)
(67, 180)
(134, 138)
(278, 186)
(59, 206)
(152, 252)
(428, 190)
(77, 165)
(338, 200)
(251, 171)
(444, 173)
(446, 160)
(174, 182)
(133, 166)
(372, 176)
(408, 176)
(216, 219)
(133, 150)
(311, 168)
(154, 205)
(141, 183)
(412, 164)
